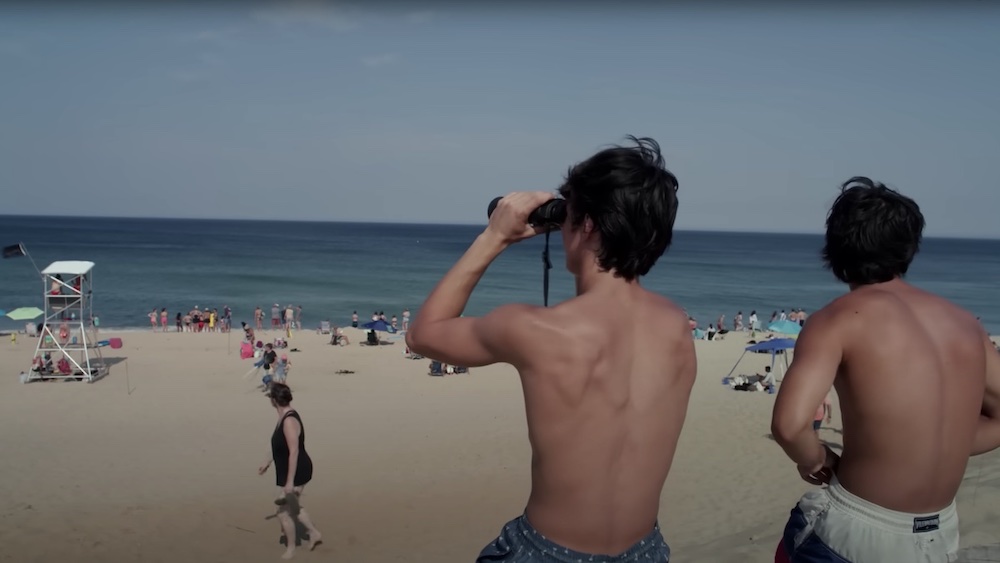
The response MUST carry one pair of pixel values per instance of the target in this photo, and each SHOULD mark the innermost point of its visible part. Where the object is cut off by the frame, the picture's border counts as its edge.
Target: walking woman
(292, 467)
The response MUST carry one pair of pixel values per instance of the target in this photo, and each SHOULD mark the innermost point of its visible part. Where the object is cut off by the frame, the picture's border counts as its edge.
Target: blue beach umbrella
(379, 325)
(774, 347)
(790, 328)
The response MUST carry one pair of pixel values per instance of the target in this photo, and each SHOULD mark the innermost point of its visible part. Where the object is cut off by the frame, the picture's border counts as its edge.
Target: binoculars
(550, 214)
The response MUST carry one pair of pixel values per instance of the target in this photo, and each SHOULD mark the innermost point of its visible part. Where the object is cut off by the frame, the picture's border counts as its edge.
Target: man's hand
(509, 222)
(822, 473)
(263, 469)
(440, 332)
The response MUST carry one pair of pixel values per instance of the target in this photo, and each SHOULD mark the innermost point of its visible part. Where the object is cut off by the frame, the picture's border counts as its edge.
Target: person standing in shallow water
(292, 465)
(606, 375)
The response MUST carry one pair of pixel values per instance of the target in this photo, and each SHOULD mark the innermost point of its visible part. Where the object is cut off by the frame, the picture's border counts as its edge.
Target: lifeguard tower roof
(68, 268)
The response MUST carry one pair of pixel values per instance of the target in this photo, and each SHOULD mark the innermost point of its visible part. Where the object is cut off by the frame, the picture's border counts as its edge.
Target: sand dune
(161, 465)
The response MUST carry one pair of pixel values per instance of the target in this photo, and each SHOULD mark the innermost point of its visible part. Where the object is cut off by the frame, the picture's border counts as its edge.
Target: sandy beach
(157, 461)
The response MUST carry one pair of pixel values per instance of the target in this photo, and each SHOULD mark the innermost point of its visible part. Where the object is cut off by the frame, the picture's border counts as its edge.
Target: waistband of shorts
(650, 544)
(890, 520)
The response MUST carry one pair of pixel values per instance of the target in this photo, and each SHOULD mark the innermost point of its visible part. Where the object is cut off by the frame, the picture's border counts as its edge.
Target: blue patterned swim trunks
(519, 542)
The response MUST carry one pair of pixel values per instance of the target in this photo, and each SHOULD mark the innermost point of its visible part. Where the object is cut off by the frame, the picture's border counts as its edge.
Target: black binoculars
(550, 214)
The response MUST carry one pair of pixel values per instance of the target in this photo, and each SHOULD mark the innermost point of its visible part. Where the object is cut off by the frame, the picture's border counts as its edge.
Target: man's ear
(588, 225)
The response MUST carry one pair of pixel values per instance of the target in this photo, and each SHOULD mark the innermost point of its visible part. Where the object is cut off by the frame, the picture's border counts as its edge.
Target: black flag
(13, 251)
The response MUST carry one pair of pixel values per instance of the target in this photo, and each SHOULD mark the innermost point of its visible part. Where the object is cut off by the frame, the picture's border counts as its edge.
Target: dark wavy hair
(632, 199)
(872, 233)
(280, 393)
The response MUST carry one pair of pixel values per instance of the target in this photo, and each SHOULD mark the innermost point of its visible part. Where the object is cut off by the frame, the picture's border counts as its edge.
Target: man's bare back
(606, 384)
(919, 391)
(606, 375)
(910, 388)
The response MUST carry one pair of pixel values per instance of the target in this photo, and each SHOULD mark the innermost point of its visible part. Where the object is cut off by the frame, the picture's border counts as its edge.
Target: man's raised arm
(439, 332)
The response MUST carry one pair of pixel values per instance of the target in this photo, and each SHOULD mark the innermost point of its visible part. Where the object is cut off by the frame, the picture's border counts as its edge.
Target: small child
(282, 368)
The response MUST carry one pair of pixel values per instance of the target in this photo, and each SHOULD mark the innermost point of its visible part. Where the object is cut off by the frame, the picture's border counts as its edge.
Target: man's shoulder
(864, 302)
(518, 320)
(537, 317)
(883, 302)
(666, 304)
(517, 312)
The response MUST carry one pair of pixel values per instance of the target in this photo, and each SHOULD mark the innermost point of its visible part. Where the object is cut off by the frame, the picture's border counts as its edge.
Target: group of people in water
(195, 320)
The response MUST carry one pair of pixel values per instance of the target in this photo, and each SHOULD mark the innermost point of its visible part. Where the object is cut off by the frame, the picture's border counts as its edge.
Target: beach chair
(324, 327)
(436, 369)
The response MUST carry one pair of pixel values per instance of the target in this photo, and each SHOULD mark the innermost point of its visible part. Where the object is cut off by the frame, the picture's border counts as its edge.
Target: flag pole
(30, 258)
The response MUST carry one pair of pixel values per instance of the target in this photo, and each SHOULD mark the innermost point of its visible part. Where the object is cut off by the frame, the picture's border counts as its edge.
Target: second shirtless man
(606, 375)
(919, 388)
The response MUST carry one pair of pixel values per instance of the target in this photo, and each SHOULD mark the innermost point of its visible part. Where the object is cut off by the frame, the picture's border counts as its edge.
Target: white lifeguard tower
(68, 328)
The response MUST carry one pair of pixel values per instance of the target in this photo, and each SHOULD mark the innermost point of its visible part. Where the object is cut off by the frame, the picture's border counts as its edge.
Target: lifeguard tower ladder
(68, 328)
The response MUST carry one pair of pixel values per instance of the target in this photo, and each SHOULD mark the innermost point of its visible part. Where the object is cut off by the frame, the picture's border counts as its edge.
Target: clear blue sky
(421, 113)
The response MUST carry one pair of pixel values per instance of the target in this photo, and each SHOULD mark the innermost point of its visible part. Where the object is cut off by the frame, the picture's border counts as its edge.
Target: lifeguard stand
(68, 326)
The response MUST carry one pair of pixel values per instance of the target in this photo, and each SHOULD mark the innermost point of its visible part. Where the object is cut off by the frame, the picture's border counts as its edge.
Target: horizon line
(411, 223)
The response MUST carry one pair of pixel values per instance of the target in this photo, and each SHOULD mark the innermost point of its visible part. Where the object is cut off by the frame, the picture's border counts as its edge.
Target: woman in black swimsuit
(292, 466)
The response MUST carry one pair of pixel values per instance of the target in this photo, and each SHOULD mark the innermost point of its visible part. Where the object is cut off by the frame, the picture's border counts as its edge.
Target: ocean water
(333, 269)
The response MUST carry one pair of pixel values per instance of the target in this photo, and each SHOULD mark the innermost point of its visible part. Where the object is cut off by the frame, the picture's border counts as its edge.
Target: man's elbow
(784, 429)
(415, 340)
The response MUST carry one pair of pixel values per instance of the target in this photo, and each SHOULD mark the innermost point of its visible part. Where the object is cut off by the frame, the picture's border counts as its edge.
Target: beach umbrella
(379, 325)
(774, 346)
(25, 313)
(2, 312)
(790, 328)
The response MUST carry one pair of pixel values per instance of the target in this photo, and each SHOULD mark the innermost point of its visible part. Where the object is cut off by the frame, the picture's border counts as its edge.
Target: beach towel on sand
(246, 350)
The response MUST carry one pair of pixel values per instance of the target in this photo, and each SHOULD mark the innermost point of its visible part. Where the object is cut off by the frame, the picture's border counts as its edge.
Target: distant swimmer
(919, 389)
(606, 375)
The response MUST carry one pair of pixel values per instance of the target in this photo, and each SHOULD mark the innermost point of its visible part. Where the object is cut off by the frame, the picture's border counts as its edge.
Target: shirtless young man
(606, 375)
(919, 389)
